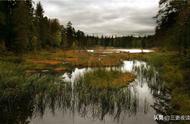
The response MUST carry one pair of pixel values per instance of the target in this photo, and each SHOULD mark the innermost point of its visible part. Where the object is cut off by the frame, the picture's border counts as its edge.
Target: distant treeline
(124, 41)
(24, 27)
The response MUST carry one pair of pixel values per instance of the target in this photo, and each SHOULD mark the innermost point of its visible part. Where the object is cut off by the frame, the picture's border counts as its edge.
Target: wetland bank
(115, 64)
(130, 89)
(101, 94)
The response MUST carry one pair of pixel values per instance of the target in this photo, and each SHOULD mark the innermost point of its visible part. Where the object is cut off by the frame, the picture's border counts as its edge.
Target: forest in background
(24, 27)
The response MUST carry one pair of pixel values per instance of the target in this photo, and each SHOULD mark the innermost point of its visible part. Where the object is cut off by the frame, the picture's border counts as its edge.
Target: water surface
(80, 105)
(122, 50)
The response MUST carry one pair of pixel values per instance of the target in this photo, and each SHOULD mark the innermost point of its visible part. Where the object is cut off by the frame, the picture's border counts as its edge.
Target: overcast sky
(108, 17)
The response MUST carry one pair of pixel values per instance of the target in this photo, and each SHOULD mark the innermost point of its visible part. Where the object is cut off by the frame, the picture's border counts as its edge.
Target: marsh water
(132, 105)
(65, 101)
(107, 51)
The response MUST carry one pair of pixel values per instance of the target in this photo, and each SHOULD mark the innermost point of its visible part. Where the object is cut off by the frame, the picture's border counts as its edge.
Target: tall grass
(22, 94)
(102, 79)
(175, 72)
(104, 92)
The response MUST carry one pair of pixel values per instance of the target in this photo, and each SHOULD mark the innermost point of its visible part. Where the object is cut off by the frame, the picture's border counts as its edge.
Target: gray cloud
(108, 17)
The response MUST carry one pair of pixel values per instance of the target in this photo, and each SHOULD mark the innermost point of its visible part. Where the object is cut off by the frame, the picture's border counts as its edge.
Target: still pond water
(107, 51)
(135, 104)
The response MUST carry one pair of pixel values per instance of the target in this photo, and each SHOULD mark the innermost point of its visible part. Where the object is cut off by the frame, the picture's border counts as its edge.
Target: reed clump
(106, 79)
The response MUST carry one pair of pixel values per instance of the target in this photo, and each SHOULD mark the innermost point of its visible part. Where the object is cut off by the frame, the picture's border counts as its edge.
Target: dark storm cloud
(108, 17)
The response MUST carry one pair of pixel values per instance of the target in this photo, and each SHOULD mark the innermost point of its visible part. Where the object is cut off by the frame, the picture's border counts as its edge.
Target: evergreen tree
(21, 26)
(39, 13)
(55, 33)
(2, 25)
(80, 38)
(7, 7)
(70, 34)
(173, 23)
(40, 23)
(63, 37)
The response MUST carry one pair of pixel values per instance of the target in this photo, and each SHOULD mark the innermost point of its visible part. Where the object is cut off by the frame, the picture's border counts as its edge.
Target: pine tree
(33, 43)
(39, 13)
(171, 26)
(21, 26)
(55, 30)
(70, 34)
(2, 22)
(7, 7)
(40, 23)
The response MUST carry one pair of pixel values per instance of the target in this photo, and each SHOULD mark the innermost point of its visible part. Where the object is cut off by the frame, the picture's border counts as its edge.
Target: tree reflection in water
(52, 93)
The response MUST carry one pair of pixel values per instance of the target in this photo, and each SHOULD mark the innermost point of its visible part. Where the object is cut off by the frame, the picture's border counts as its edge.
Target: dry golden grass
(103, 79)
(59, 69)
(46, 62)
(81, 58)
(124, 78)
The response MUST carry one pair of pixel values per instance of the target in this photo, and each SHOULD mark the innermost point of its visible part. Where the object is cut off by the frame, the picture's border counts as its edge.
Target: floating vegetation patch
(104, 79)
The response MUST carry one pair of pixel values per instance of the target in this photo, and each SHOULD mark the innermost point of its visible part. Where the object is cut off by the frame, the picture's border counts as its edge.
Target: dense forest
(173, 27)
(24, 27)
